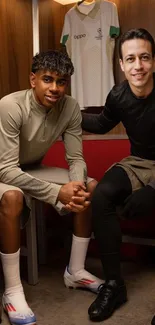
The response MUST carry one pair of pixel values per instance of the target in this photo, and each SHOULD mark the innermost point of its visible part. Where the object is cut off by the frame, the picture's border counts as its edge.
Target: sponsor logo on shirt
(79, 36)
(99, 36)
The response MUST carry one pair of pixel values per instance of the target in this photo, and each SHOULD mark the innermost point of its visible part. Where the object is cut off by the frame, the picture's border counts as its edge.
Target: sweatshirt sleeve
(103, 122)
(72, 138)
(114, 23)
(10, 172)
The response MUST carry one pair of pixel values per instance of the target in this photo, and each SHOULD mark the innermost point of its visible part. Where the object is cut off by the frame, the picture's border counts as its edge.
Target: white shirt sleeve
(114, 26)
(65, 36)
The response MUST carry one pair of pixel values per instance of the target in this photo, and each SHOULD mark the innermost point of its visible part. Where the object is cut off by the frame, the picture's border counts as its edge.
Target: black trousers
(110, 192)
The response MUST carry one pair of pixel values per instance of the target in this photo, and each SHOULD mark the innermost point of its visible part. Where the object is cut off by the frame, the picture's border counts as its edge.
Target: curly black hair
(53, 60)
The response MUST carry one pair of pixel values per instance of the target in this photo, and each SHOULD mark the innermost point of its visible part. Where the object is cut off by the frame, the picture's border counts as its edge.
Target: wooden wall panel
(51, 19)
(16, 45)
(132, 14)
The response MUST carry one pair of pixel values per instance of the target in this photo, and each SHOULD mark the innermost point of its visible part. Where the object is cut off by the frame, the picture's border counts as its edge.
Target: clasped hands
(74, 196)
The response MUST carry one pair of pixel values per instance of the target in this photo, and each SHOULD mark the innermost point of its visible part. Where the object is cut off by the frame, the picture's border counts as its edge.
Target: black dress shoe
(153, 321)
(111, 296)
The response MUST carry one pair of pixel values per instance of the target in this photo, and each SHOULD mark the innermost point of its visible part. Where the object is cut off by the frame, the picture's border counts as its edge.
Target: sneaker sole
(16, 323)
(74, 285)
(71, 285)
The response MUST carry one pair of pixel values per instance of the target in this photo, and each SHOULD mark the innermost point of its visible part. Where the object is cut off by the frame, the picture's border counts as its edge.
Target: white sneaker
(16, 317)
(82, 279)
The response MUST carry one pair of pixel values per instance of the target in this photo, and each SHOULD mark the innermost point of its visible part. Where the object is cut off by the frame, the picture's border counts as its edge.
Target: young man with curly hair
(30, 122)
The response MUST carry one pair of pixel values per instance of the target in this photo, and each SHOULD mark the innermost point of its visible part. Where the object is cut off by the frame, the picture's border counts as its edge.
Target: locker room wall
(132, 14)
(16, 45)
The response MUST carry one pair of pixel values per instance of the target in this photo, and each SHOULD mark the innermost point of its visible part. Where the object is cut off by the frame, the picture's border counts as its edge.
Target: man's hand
(80, 201)
(141, 203)
(73, 195)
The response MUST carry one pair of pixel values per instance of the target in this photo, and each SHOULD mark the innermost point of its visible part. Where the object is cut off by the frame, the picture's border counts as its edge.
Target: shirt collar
(92, 13)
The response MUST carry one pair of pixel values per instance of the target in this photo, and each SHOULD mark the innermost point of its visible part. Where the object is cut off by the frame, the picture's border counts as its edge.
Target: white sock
(13, 287)
(78, 254)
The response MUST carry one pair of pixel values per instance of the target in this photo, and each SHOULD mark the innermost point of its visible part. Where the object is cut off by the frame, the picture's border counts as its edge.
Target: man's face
(49, 87)
(137, 64)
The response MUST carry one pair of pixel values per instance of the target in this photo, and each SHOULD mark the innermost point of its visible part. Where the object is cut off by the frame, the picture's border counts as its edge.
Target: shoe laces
(105, 293)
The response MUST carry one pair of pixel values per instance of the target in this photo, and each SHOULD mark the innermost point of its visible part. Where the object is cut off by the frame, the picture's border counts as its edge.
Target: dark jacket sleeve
(103, 122)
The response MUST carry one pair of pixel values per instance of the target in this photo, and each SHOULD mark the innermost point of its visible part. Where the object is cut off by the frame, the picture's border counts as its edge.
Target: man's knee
(12, 202)
(103, 192)
(115, 186)
(106, 189)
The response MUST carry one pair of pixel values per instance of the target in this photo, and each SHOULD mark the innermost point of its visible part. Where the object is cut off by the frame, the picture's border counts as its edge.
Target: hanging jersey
(89, 35)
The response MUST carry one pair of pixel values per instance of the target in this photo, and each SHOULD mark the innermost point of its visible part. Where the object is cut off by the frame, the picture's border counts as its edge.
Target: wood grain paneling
(51, 20)
(16, 45)
(132, 14)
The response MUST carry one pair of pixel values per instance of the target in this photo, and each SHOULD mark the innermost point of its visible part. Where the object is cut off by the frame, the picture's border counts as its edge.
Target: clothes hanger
(79, 2)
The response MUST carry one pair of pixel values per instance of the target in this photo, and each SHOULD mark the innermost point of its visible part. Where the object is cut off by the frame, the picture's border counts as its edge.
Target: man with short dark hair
(131, 182)
(30, 122)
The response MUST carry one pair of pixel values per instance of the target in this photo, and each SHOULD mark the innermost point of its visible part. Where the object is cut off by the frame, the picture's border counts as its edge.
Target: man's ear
(121, 65)
(32, 79)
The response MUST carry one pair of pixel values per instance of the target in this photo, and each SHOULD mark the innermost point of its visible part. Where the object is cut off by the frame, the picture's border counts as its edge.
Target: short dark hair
(140, 33)
(53, 60)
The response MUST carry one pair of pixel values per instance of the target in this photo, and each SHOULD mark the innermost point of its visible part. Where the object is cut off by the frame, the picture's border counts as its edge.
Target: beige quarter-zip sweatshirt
(27, 131)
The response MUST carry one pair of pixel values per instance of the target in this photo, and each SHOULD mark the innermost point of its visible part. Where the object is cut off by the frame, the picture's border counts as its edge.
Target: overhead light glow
(66, 2)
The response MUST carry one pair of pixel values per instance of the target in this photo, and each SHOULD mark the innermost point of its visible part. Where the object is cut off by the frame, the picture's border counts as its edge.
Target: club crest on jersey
(99, 36)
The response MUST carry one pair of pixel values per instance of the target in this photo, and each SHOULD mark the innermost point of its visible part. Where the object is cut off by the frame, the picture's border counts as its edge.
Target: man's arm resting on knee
(72, 138)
